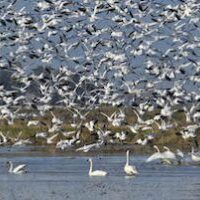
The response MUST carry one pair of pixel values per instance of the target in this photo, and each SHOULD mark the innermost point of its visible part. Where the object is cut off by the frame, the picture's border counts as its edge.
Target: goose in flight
(87, 148)
(129, 169)
(96, 172)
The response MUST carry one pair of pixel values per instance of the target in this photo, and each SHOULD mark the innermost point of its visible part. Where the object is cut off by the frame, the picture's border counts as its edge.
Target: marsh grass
(168, 137)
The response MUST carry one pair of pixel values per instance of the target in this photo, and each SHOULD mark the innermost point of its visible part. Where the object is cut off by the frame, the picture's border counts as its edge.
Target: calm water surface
(66, 177)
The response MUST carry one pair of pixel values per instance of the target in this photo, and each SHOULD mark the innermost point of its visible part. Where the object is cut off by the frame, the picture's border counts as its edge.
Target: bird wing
(105, 115)
(168, 155)
(86, 148)
(153, 157)
(18, 168)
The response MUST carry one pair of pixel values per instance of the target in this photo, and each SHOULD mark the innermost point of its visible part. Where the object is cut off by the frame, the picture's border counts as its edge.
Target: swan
(128, 169)
(96, 172)
(155, 156)
(168, 156)
(195, 156)
(16, 170)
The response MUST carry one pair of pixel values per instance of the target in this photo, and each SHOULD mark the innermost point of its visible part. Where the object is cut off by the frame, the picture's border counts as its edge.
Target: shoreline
(51, 151)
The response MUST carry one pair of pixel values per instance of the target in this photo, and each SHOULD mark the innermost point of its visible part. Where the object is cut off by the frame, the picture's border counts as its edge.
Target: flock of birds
(79, 55)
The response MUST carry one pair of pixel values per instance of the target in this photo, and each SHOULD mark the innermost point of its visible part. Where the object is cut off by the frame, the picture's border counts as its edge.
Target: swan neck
(91, 165)
(192, 150)
(167, 149)
(127, 158)
(11, 167)
(158, 150)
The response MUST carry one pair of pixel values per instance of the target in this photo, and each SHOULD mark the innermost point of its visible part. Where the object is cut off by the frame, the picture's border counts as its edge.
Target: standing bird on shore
(129, 169)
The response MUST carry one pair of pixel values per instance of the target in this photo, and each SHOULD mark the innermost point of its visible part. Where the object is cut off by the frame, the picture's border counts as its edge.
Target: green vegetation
(168, 137)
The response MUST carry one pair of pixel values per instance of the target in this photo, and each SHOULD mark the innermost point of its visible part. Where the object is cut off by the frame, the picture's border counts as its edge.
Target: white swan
(168, 157)
(96, 172)
(128, 169)
(154, 156)
(16, 170)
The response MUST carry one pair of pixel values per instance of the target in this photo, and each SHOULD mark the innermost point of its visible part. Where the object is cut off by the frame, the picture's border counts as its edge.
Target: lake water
(66, 177)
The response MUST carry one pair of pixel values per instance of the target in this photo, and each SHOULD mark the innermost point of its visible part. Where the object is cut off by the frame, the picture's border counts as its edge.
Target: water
(66, 177)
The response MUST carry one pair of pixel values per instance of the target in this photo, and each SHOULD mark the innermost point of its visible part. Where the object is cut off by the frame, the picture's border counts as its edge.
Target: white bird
(16, 170)
(3, 139)
(142, 142)
(195, 156)
(90, 125)
(33, 123)
(154, 156)
(22, 142)
(109, 118)
(168, 156)
(129, 169)
(96, 172)
(87, 148)
(63, 144)
(55, 120)
(41, 135)
(134, 128)
(141, 121)
(187, 134)
(121, 135)
(166, 111)
(51, 139)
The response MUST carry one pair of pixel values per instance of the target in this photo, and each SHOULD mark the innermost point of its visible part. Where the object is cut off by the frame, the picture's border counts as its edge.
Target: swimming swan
(16, 170)
(96, 172)
(128, 169)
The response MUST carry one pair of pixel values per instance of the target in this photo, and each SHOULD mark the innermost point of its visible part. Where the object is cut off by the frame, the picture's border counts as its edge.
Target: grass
(168, 138)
